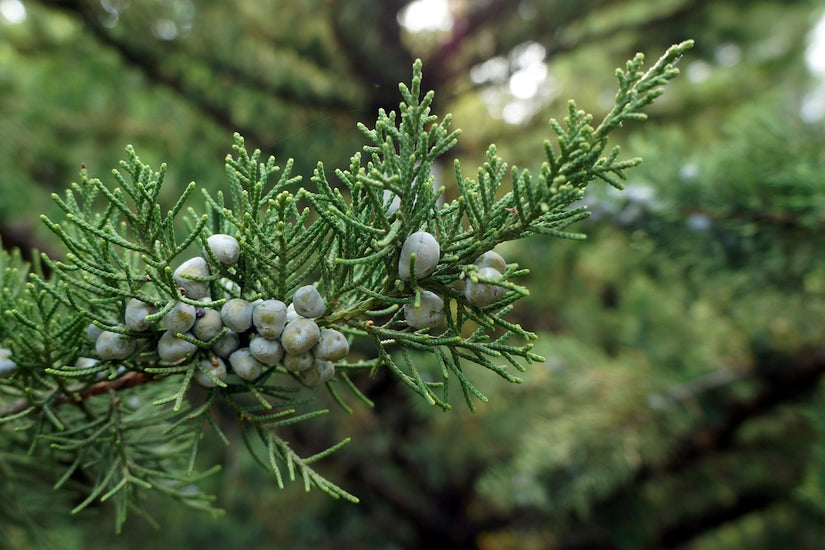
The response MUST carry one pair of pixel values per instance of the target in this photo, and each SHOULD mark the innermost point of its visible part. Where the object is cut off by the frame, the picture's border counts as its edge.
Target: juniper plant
(120, 412)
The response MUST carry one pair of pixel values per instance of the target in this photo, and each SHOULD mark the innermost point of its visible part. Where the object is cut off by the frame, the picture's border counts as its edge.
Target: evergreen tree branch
(259, 250)
(747, 501)
(151, 65)
(783, 379)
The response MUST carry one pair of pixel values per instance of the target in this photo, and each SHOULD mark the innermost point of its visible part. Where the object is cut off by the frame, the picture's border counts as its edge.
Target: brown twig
(128, 380)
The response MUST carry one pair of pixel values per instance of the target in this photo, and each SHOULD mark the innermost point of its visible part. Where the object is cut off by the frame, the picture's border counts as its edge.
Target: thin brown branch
(128, 380)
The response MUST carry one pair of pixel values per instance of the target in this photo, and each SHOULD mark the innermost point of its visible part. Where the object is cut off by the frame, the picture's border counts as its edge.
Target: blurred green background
(681, 403)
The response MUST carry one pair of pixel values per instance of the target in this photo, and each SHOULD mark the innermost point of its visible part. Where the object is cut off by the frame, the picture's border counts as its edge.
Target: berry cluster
(266, 332)
(419, 257)
(247, 335)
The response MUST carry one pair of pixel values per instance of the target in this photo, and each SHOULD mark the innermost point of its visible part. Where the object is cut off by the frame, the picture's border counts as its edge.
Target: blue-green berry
(267, 351)
(427, 254)
(308, 302)
(214, 366)
(480, 293)
(7, 366)
(92, 332)
(291, 314)
(225, 248)
(300, 336)
(297, 362)
(172, 349)
(226, 344)
(245, 365)
(269, 318)
(193, 267)
(320, 372)
(491, 259)
(332, 345)
(135, 315)
(208, 325)
(237, 315)
(114, 346)
(180, 318)
(428, 314)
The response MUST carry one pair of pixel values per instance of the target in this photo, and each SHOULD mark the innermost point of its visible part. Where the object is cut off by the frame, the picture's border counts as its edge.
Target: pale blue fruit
(481, 294)
(331, 346)
(491, 259)
(180, 318)
(320, 373)
(427, 253)
(172, 349)
(226, 344)
(245, 365)
(195, 267)
(113, 346)
(7, 366)
(237, 315)
(308, 302)
(300, 336)
(269, 318)
(135, 315)
(298, 362)
(92, 332)
(267, 351)
(291, 314)
(208, 325)
(428, 314)
(214, 366)
(225, 248)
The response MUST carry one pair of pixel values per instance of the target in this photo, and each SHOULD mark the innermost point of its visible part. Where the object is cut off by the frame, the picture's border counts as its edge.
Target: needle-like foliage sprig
(120, 427)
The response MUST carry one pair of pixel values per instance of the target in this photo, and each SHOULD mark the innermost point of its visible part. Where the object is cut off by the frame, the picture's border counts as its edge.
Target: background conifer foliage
(672, 396)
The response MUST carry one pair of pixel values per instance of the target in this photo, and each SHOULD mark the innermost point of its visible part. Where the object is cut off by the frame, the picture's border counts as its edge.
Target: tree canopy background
(681, 401)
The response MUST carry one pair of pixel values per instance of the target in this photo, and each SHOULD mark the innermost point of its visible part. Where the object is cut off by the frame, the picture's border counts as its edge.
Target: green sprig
(341, 234)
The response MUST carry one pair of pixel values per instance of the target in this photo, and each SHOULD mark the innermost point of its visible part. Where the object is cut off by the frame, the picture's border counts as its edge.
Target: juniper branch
(346, 243)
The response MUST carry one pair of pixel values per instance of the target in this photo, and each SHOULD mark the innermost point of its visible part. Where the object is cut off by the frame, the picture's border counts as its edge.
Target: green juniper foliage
(112, 401)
